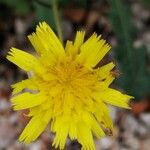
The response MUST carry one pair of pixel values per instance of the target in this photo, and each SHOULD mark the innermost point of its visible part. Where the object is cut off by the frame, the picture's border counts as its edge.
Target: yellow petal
(27, 100)
(69, 47)
(93, 124)
(35, 127)
(61, 128)
(92, 51)
(102, 114)
(115, 98)
(73, 130)
(45, 41)
(73, 49)
(85, 137)
(79, 39)
(22, 59)
(96, 128)
(109, 79)
(86, 48)
(33, 111)
(104, 71)
(25, 61)
(28, 83)
(101, 86)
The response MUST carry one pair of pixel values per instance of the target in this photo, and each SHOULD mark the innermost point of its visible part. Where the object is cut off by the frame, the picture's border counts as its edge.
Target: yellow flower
(65, 90)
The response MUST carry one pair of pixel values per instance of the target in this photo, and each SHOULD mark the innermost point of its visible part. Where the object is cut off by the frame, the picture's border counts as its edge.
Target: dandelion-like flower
(66, 91)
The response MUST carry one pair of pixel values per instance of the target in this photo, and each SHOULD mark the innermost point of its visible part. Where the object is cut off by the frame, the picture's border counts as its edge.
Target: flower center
(66, 72)
(71, 75)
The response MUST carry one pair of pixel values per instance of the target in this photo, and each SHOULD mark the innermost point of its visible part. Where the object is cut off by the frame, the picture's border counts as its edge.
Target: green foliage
(20, 6)
(44, 14)
(41, 8)
(24, 7)
(136, 78)
(146, 3)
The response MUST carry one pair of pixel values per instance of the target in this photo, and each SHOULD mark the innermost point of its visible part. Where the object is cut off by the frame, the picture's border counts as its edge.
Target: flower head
(65, 89)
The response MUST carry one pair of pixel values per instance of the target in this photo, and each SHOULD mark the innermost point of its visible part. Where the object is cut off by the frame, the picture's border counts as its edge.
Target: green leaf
(135, 78)
(44, 14)
(20, 6)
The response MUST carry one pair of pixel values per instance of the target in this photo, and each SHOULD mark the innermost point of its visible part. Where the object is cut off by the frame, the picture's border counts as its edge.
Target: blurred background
(125, 24)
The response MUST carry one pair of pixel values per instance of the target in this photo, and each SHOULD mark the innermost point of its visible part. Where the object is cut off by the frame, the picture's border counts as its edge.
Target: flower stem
(57, 20)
